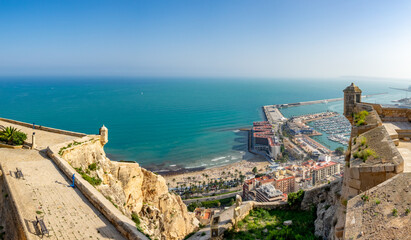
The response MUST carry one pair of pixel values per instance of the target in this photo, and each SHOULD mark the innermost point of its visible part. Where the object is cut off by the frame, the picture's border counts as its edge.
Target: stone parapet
(3, 145)
(47, 129)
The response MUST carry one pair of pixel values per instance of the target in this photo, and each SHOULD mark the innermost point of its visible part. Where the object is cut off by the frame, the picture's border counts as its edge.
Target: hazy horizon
(213, 39)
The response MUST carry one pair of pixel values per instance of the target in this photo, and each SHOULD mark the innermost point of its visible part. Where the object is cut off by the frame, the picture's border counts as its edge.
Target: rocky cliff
(135, 191)
(327, 201)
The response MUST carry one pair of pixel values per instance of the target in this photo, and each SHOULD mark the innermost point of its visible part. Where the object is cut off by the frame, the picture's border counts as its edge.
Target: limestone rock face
(135, 190)
(327, 200)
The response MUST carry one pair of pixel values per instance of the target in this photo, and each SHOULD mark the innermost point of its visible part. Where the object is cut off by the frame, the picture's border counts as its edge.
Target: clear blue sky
(206, 38)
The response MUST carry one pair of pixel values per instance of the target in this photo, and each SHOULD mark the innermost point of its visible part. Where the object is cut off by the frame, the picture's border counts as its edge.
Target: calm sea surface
(164, 122)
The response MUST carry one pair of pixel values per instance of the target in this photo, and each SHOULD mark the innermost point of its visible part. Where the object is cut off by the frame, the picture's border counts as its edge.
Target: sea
(172, 123)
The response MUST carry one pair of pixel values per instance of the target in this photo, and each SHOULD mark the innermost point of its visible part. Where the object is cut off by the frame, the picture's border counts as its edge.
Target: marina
(333, 125)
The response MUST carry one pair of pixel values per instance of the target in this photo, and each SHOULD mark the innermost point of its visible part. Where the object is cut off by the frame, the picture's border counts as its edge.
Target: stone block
(354, 183)
(389, 168)
(399, 168)
(378, 169)
(354, 173)
(365, 169)
(339, 234)
(352, 192)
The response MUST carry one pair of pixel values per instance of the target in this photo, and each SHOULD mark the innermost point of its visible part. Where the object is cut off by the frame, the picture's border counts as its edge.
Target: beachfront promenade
(44, 193)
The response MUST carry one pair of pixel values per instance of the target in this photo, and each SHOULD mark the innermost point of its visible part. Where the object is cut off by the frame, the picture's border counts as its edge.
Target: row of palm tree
(12, 135)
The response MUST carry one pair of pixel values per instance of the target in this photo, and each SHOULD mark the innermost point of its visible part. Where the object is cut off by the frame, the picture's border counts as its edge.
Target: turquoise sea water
(165, 122)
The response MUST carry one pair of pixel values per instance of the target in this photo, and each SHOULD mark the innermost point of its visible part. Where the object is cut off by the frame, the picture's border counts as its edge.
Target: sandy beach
(230, 171)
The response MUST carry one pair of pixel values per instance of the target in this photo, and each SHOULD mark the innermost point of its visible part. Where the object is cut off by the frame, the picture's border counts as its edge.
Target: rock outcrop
(135, 191)
(327, 200)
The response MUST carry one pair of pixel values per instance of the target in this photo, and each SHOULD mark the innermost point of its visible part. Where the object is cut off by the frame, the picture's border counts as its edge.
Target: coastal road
(210, 198)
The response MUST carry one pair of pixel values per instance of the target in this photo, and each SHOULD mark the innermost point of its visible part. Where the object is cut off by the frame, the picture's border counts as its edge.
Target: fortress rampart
(377, 153)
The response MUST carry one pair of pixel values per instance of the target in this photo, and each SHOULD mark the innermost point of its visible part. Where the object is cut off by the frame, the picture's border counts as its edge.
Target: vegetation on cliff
(359, 118)
(363, 151)
(294, 199)
(268, 224)
(12, 135)
(92, 180)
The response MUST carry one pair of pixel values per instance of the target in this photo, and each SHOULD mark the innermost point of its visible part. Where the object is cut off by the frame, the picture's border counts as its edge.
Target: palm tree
(9, 133)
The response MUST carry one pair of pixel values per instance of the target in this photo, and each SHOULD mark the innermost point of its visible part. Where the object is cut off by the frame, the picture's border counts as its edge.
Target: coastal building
(322, 170)
(324, 158)
(293, 149)
(284, 178)
(285, 184)
(251, 185)
(264, 139)
(297, 126)
(268, 193)
(204, 215)
(274, 147)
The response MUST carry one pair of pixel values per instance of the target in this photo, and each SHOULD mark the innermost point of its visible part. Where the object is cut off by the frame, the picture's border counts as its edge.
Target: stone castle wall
(13, 225)
(361, 176)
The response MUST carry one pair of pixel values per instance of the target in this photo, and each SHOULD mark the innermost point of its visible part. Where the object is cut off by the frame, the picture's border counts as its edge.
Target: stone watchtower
(103, 135)
(352, 95)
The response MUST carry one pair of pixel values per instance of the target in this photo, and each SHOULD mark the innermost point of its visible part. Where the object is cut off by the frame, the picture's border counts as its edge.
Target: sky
(221, 38)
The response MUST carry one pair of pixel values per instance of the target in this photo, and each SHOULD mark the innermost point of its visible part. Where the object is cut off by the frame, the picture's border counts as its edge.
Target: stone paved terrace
(393, 126)
(66, 212)
(44, 192)
(405, 150)
(43, 138)
(404, 147)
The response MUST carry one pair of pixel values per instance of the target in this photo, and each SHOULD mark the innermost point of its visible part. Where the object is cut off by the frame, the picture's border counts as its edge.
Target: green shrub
(377, 201)
(407, 211)
(359, 118)
(367, 153)
(394, 212)
(294, 199)
(92, 180)
(92, 166)
(12, 135)
(135, 218)
(252, 226)
(363, 141)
